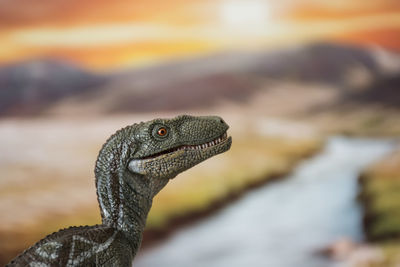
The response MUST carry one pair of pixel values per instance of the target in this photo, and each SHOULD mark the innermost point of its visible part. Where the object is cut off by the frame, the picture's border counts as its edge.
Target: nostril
(221, 121)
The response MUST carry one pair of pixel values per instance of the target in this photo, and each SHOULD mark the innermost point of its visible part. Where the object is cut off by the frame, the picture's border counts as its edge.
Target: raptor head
(166, 147)
(138, 161)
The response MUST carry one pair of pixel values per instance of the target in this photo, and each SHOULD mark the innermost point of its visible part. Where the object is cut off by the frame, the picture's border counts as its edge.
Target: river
(281, 224)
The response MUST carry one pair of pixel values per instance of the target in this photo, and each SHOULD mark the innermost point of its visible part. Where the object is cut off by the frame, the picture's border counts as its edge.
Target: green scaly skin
(132, 167)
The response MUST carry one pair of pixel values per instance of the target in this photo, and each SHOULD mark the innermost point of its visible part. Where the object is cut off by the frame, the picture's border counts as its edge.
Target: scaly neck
(125, 198)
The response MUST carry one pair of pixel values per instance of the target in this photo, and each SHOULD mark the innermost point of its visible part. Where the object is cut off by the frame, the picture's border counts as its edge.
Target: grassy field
(380, 194)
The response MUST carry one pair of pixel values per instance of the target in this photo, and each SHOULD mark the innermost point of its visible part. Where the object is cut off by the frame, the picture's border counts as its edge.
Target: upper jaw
(214, 142)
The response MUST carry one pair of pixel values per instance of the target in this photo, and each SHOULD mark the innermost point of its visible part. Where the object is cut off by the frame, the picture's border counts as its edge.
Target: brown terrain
(53, 87)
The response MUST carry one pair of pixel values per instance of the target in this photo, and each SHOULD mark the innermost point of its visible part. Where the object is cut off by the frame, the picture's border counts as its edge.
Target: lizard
(133, 165)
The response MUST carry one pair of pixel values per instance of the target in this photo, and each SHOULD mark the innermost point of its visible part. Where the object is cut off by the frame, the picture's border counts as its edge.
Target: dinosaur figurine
(132, 167)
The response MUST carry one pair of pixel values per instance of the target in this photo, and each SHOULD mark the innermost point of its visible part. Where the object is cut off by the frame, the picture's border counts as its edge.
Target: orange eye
(162, 132)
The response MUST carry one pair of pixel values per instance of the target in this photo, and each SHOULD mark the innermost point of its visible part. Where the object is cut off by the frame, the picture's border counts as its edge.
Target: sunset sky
(103, 34)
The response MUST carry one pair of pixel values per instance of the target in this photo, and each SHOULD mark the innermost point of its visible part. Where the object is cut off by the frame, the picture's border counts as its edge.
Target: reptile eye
(162, 132)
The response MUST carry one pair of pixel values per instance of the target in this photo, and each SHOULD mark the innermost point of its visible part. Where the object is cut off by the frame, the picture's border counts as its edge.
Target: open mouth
(211, 143)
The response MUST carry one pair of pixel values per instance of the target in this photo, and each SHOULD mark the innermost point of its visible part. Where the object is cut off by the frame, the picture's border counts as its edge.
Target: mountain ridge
(54, 87)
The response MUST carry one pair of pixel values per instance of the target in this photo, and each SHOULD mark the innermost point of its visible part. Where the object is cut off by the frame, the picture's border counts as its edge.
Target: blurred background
(310, 88)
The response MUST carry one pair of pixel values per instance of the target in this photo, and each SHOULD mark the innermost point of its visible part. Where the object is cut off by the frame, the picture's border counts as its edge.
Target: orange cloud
(339, 9)
(25, 13)
(111, 34)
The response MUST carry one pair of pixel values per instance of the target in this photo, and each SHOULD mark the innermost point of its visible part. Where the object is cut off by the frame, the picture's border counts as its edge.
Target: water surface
(281, 224)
